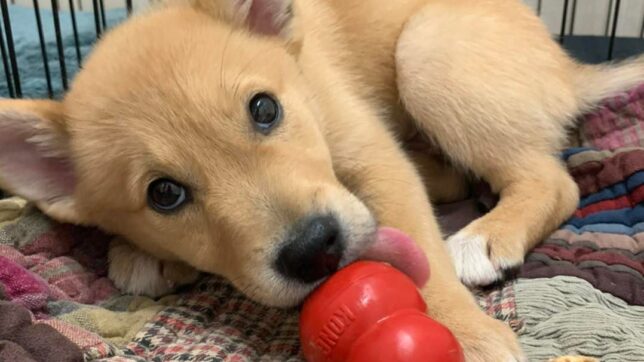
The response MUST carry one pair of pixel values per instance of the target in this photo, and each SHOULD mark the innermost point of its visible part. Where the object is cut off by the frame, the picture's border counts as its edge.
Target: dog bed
(580, 292)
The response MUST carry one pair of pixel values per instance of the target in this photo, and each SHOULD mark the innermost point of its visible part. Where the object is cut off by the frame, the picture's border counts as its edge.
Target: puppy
(263, 140)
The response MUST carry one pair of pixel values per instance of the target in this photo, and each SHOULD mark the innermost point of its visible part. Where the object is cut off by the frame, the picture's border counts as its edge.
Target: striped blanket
(603, 242)
(580, 292)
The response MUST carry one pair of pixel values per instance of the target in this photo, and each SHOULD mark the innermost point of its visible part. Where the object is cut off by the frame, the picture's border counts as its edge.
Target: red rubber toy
(368, 312)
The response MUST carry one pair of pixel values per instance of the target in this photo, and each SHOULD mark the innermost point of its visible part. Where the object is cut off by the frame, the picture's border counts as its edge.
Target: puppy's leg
(375, 169)
(537, 194)
(498, 108)
(443, 182)
(136, 272)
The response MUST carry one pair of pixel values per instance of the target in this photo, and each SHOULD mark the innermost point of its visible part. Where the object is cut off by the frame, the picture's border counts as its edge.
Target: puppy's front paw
(485, 339)
(136, 272)
(480, 258)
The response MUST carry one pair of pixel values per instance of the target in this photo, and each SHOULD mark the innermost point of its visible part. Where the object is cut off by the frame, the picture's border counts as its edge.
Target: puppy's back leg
(443, 182)
(494, 92)
(536, 196)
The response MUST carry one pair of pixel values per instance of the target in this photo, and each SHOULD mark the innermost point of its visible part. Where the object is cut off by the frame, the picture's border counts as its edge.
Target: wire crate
(43, 43)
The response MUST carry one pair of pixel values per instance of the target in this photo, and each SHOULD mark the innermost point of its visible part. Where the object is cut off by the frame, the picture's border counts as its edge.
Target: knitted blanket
(582, 290)
(603, 242)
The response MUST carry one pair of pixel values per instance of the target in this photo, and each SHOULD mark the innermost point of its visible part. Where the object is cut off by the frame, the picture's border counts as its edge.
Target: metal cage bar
(72, 13)
(608, 17)
(5, 63)
(101, 5)
(97, 21)
(573, 16)
(12, 51)
(43, 49)
(8, 51)
(563, 21)
(613, 33)
(59, 44)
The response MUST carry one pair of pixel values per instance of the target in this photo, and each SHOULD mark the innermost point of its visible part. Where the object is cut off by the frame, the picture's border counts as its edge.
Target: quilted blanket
(580, 292)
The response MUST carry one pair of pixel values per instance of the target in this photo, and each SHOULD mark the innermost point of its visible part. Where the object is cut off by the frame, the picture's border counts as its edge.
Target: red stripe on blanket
(593, 176)
(626, 201)
(578, 255)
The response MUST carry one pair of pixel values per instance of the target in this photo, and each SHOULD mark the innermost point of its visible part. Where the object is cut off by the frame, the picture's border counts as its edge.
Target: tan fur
(165, 95)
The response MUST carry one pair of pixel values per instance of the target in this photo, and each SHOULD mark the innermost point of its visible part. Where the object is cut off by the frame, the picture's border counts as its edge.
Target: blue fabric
(626, 216)
(626, 221)
(573, 151)
(615, 191)
(27, 45)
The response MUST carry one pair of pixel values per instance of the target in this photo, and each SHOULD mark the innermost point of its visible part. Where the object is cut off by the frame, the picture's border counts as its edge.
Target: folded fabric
(566, 315)
(618, 123)
(603, 242)
(21, 340)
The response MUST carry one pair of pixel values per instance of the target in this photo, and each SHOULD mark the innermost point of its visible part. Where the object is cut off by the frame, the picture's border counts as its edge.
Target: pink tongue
(396, 248)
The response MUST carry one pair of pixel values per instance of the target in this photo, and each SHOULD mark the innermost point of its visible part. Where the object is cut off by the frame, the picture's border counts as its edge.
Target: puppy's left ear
(35, 160)
(265, 17)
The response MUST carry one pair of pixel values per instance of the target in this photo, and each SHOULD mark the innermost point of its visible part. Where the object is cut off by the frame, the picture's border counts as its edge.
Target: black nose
(313, 252)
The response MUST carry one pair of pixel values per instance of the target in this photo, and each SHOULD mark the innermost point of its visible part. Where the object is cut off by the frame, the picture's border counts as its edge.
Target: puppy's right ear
(35, 160)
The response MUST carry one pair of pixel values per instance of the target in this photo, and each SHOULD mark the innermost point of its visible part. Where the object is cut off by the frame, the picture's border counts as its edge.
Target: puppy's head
(192, 133)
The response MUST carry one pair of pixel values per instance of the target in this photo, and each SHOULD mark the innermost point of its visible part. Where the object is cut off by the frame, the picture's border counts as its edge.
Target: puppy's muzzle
(313, 250)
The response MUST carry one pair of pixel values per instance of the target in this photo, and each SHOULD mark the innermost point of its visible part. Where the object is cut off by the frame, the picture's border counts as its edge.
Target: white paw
(136, 272)
(471, 260)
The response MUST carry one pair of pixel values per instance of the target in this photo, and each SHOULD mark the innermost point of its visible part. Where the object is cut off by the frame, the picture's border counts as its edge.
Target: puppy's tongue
(396, 248)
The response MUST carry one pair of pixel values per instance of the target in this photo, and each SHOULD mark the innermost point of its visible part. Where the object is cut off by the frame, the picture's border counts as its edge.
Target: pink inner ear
(24, 167)
(265, 17)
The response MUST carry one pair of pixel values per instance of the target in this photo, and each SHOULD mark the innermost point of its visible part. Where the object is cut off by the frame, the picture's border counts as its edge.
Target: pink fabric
(22, 286)
(618, 122)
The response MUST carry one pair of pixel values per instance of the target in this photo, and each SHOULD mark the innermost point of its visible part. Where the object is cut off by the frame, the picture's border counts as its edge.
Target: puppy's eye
(166, 195)
(265, 111)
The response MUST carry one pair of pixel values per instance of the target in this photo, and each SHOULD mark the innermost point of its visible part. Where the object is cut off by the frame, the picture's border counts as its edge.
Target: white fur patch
(136, 272)
(469, 254)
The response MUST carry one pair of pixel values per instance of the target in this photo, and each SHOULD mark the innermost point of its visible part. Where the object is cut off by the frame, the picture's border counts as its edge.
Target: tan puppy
(260, 140)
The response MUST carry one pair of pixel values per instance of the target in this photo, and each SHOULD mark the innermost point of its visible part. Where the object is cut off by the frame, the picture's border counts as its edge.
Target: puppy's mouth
(318, 246)
(398, 249)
